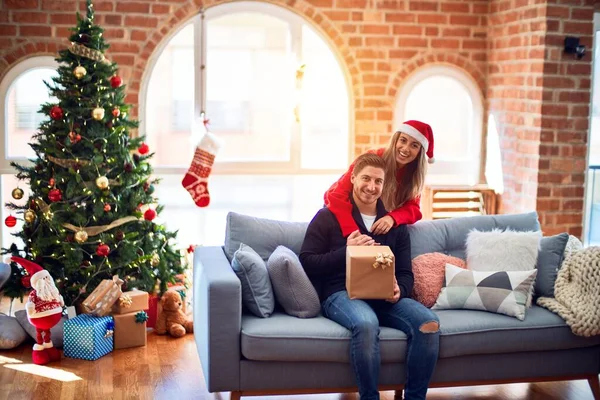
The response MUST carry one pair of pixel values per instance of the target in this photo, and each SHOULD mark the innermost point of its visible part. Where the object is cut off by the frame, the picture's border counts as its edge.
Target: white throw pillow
(499, 250)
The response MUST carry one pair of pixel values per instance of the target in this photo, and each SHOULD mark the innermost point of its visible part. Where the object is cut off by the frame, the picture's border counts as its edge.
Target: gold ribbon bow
(125, 301)
(383, 260)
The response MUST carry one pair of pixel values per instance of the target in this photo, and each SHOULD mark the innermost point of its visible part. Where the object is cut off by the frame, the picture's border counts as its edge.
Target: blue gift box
(88, 337)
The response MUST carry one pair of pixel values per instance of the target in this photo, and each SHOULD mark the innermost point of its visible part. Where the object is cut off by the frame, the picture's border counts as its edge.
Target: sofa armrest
(217, 318)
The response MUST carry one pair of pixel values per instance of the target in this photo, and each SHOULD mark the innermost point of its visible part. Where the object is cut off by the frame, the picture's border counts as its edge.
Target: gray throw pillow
(291, 285)
(12, 333)
(56, 332)
(257, 293)
(550, 258)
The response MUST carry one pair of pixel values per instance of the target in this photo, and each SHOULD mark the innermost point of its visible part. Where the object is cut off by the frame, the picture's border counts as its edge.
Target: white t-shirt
(368, 220)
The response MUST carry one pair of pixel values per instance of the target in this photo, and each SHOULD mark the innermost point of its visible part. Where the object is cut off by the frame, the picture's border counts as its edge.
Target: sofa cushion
(257, 293)
(293, 290)
(449, 236)
(429, 271)
(502, 250)
(263, 235)
(504, 292)
(56, 332)
(549, 261)
(463, 332)
(286, 338)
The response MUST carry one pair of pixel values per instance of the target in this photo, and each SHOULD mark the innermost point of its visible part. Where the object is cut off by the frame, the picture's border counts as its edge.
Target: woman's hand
(382, 225)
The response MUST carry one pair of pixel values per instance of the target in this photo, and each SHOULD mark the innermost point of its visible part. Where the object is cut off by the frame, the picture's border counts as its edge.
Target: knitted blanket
(577, 292)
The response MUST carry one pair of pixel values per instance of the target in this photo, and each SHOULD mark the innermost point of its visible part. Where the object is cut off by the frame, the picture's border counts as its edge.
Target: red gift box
(152, 311)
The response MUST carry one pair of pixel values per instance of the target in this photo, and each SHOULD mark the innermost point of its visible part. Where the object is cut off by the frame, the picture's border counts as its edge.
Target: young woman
(406, 158)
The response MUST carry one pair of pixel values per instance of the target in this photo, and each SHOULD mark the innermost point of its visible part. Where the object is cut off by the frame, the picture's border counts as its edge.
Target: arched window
(449, 100)
(22, 92)
(274, 92)
(269, 84)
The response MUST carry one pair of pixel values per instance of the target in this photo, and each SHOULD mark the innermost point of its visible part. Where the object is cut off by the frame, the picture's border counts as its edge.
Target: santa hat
(422, 133)
(35, 271)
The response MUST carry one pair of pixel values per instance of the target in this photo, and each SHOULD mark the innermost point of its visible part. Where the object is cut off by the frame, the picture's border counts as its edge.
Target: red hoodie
(337, 199)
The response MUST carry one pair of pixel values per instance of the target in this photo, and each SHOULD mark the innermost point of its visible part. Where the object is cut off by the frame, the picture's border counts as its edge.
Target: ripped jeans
(363, 317)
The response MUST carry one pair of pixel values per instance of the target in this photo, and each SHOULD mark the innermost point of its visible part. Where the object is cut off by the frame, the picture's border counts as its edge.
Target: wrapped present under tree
(130, 329)
(104, 296)
(88, 337)
(132, 301)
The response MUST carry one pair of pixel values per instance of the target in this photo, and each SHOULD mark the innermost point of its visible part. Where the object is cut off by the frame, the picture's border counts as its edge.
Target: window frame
(293, 166)
(469, 168)
(6, 85)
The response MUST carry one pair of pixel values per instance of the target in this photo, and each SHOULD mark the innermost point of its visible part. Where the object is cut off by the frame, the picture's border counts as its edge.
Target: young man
(323, 256)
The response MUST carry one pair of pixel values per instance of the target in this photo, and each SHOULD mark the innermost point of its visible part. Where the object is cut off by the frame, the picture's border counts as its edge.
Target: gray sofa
(282, 354)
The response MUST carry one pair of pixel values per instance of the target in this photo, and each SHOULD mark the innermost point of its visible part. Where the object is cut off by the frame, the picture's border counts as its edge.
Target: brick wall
(381, 42)
(540, 99)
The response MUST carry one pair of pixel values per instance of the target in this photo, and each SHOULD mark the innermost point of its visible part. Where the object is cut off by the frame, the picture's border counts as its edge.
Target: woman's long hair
(413, 177)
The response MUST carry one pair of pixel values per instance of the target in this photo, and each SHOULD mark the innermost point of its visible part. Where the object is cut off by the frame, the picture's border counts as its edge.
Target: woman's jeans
(363, 317)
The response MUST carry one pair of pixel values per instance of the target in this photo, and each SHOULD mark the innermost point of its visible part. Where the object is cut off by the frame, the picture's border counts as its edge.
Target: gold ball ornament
(155, 260)
(98, 113)
(17, 193)
(79, 72)
(102, 182)
(81, 236)
(29, 216)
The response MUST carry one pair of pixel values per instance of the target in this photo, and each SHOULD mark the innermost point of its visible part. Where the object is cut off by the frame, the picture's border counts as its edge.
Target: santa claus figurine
(44, 310)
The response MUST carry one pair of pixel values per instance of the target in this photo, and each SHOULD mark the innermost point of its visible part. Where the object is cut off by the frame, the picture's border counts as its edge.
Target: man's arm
(404, 274)
(317, 257)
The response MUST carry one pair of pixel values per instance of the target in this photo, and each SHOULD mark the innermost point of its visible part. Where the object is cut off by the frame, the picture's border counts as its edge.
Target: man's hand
(394, 299)
(358, 239)
(382, 225)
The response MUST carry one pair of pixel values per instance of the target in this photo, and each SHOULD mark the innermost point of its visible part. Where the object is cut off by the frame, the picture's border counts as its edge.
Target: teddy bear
(172, 319)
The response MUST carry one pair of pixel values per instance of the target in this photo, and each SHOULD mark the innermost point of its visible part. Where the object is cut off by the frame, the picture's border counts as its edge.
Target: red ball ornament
(107, 207)
(10, 221)
(56, 112)
(116, 112)
(143, 149)
(150, 214)
(54, 195)
(115, 81)
(102, 250)
(26, 281)
(51, 182)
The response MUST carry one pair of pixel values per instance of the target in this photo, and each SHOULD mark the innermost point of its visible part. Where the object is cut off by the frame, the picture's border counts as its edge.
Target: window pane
(170, 101)
(324, 106)
(453, 116)
(25, 98)
(250, 79)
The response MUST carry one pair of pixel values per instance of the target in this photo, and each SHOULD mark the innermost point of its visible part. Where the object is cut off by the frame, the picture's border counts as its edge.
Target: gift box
(88, 337)
(152, 311)
(370, 272)
(134, 300)
(101, 300)
(130, 329)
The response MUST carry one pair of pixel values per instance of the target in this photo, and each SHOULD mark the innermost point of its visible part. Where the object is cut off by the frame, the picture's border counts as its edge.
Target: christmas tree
(91, 211)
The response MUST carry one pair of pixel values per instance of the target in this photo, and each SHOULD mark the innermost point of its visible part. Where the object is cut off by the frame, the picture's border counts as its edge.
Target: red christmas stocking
(196, 178)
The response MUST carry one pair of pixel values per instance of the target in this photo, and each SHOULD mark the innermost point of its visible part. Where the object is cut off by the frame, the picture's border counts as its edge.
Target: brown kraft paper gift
(101, 300)
(370, 272)
(128, 331)
(134, 300)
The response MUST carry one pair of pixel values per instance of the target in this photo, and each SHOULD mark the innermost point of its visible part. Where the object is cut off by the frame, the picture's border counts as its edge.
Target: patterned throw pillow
(429, 270)
(293, 290)
(502, 292)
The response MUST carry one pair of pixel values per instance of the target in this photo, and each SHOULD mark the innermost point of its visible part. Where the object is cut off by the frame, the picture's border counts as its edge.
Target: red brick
(375, 29)
(62, 19)
(379, 41)
(114, 33)
(557, 11)
(400, 17)
(139, 35)
(582, 28)
(423, 6)
(575, 97)
(21, 4)
(34, 30)
(432, 31)
(374, 90)
(403, 54)
(321, 3)
(57, 5)
(432, 19)
(355, 41)
(459, 32)
(471, 20)
(455, 7)
(360, 4)
(113, 19)
(445, 43)
(385, 115)
(584, 14)
(412, 30)
(133, 7)
(474, 44)
(412, 42)
(335, 15)
(30, 17)
(135, 21)
(160, 9)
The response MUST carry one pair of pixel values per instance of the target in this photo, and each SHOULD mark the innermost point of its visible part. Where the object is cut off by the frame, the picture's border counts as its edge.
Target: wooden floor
(169, 368)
